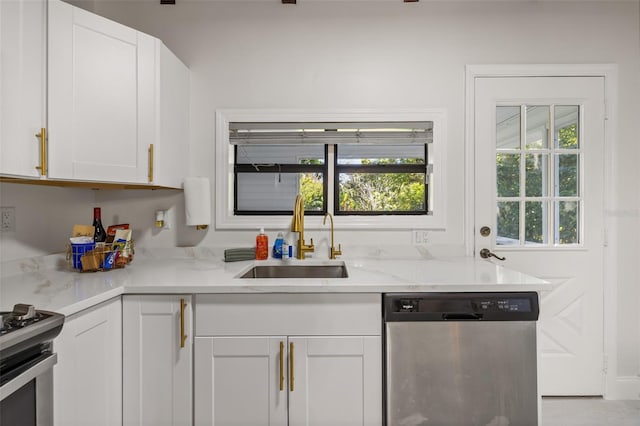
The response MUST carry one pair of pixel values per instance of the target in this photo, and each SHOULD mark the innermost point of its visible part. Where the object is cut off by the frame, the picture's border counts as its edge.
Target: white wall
(45, 216)
(325, 54)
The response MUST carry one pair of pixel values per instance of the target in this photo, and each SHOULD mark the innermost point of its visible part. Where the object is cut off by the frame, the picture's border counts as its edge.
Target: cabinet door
(156, 367)
(88, 376)
(336, 381)
(101, 97)
(240, 381)
(171, 152)
(22, 85)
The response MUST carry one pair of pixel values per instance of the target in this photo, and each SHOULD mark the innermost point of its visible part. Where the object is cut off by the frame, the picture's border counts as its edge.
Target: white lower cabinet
(237, 381)
(157, 360)
(88, 375)
(336, 380)
(324, 367)
(283, 380)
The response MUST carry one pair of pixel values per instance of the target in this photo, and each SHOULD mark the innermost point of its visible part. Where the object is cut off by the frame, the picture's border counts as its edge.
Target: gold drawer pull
(43, 151)
(291, 378)
(281, 366)
(151, 163)
(183, 336)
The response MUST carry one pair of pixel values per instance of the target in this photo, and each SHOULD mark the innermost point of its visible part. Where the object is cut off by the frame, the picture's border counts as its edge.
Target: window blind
(406, 133)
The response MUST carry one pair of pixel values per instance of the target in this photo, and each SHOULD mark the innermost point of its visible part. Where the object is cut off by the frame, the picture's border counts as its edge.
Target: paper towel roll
(197, 201)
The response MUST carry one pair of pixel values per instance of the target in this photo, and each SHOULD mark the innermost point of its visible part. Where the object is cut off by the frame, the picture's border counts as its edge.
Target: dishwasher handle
(461, 316)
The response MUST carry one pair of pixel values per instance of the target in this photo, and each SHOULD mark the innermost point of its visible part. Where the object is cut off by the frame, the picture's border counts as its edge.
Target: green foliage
(535, 214)
(379, 192)
(311, 189)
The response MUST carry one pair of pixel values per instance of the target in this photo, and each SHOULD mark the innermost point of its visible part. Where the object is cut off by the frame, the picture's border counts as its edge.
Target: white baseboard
(625, 388)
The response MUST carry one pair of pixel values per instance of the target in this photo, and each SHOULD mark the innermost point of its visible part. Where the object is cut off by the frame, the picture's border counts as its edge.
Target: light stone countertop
(49, 284)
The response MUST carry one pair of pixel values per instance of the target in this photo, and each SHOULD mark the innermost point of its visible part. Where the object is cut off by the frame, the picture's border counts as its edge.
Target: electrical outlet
(419, 236)
(8, 215)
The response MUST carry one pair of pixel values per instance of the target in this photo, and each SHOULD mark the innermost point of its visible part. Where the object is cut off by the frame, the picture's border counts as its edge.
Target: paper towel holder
(197, 196)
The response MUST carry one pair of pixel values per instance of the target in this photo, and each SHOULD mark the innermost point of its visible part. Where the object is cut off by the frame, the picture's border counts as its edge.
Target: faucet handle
(335, 252)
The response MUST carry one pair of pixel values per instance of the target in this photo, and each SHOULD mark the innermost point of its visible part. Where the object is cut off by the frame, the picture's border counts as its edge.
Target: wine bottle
(99, 234)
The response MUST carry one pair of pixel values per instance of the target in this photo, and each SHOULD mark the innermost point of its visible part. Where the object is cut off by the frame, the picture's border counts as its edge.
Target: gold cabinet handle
(43, 151)
(151, 163)
(291, 375)
(281, 366)
(183, 336)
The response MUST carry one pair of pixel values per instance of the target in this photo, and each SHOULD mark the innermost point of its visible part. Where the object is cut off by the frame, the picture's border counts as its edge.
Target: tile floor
(589, 412)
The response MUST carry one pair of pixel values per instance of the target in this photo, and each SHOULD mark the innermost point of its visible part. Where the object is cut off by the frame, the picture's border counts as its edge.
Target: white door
(240, 381)
(335, 381)
(157, 357)
(539, 151)
(22, 85)
(87, 380)
(101, 88)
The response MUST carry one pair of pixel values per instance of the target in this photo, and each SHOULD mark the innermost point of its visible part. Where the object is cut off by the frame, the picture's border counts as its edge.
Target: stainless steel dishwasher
(460, 359)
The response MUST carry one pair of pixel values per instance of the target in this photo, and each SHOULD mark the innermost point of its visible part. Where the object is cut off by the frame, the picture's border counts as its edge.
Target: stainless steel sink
(297, 271)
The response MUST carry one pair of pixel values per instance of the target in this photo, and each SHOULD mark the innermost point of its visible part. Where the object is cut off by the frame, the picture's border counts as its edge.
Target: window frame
(224, 172)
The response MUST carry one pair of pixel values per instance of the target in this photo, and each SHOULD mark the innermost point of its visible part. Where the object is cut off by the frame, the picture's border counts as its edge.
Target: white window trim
(225, 218)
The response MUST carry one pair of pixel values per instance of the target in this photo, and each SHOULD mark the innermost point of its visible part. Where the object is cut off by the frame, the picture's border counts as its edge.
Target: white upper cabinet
(101, 97)
(22, 86)
(171, 152)
(116, 100)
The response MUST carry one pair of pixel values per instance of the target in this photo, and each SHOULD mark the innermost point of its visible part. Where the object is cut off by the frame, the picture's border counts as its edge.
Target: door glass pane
(535, 223)
(568, 214)
(508, 175)
(508, 222)
(538, 202)
(567, 175)
(566, 127)
(508, 127)
(537, 127)
(536, 175)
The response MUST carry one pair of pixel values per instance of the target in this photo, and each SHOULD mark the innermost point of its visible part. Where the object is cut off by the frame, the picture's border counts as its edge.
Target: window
(378, 168)
(268, 178)
(381, 179)
(373, 169)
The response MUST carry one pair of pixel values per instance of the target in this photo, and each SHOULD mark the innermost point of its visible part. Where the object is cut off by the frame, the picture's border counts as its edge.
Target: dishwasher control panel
(502, 306)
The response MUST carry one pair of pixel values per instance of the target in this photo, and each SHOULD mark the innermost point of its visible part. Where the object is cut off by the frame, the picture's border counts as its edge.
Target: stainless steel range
(26, 365)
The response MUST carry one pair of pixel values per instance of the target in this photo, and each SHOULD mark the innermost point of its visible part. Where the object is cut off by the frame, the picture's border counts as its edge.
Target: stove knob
(22, 311)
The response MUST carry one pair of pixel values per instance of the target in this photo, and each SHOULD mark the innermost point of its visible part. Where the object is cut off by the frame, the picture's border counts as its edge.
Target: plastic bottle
(277, 247)
(262, 246)
(285, 250)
